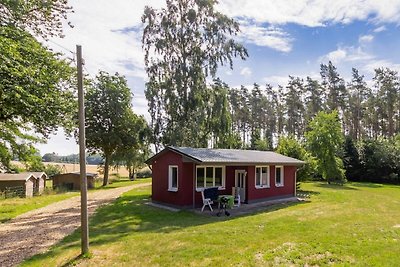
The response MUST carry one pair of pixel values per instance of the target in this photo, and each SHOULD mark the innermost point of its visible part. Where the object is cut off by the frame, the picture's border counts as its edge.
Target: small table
(230, 200)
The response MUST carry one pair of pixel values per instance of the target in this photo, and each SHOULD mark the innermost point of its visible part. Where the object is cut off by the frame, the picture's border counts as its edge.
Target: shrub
(143, 173)
(52, 170)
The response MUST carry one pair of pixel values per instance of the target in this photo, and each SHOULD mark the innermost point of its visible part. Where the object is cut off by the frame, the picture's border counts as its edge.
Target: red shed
(181, 173)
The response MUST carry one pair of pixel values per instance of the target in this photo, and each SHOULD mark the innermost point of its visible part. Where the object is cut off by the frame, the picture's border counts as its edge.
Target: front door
(240, 182)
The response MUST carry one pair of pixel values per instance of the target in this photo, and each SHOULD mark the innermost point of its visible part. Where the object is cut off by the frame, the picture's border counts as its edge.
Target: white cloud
(99, 28)
(380, 29)
(272, 37)
(346, 54)
(335, 56)
(313, 13)
(366, 38)
(380, 63)
(276, 80)
(246, 71)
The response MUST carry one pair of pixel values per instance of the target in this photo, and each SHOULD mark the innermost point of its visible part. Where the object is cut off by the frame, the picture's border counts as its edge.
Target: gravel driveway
(35, 231)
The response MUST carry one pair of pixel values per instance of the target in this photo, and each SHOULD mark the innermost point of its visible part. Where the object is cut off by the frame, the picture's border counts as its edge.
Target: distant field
(69, 167)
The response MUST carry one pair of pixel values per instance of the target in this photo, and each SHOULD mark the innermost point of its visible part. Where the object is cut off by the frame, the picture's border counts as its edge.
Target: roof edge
(173, 149)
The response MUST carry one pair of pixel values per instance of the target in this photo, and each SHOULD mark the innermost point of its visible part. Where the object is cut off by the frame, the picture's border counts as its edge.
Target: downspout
(295, 182)
(194, 185)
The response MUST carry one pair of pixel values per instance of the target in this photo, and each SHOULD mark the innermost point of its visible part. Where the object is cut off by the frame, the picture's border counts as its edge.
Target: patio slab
(248, 208)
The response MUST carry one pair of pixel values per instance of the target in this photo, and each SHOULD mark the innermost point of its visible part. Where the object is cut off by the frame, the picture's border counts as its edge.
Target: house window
(262, 176)
(279, 177)
(210, 176)
(173, 178)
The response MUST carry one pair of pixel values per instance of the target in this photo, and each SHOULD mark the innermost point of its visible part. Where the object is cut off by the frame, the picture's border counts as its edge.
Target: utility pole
(82, 156)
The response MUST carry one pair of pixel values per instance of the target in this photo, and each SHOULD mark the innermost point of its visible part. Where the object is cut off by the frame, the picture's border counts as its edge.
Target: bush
(290, 147)
(143, 173)
(52, 170)
(373, 160)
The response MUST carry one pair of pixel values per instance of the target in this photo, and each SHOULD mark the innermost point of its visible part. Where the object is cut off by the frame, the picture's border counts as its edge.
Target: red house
(181, 173)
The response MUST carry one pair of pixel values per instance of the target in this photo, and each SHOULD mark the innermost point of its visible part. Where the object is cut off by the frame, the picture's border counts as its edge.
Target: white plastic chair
(236, 195)
(206, 202)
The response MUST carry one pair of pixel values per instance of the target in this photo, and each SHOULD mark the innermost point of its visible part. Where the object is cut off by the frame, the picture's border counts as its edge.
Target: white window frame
(282, 176)
(268, 177)
(205, 169)
(170, 188)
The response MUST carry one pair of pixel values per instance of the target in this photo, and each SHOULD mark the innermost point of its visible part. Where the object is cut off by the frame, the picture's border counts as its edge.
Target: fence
(14, 191)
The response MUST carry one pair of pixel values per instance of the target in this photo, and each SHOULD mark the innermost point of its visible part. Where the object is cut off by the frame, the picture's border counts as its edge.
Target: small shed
(71, 181)
(21, 184)
(40, 184)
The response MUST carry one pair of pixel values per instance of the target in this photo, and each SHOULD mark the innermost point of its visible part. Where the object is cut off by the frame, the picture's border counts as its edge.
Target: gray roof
(232, 156)
(16, 176)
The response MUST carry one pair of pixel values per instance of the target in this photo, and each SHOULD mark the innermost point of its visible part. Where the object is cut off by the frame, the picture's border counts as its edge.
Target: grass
(351, 225)
(12, 207)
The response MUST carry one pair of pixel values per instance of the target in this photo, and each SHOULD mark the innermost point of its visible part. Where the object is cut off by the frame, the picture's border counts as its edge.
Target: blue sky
(282, 37)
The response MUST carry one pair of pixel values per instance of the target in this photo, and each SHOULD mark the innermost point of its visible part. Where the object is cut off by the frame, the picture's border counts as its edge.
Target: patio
(248, 208)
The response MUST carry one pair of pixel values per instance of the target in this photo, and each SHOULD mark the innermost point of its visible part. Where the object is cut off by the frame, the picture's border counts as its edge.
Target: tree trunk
(132, 174)
(106, 169)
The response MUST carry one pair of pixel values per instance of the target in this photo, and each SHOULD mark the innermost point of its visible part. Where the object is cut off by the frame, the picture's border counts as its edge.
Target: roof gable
(230, 156)
(16, 176)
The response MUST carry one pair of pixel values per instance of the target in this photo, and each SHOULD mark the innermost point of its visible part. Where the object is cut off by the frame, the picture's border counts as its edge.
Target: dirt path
(35, 231)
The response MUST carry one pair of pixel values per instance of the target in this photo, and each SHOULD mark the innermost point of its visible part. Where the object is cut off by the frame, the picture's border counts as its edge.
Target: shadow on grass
(336, 186)
(369, 185)
(119, 183)
(128, 215)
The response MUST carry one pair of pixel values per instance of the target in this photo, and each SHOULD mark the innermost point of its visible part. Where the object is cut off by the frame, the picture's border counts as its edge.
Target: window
(279, 176)
(262, 177)
(210, 176)
(173, 178)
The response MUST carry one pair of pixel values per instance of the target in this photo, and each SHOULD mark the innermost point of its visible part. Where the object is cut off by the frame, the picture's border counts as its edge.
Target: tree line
(94, 159)
(365, 112)
(187, 41)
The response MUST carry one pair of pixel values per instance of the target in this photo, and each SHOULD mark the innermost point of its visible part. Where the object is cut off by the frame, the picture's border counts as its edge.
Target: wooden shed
(21, 184)
(71, 181)
(40, 184)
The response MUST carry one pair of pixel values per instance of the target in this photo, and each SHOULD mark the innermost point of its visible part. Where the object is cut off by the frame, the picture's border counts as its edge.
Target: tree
(34, 82)
(290, 147)
(50, 157)
(184, 44)
(133, 157)
(220, 118)
(334, 86)
(35, 92)
(294, 108)
(358, 94)
(387, 83)
(110, 121)
(313, 99)
(43, 18)
(351, 160)
(324, 141)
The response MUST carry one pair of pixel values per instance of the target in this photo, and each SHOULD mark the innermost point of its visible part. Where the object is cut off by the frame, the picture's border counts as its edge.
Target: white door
(240, 182)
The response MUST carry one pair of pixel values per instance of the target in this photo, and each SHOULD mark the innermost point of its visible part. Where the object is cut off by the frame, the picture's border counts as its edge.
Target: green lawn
(353, 225)
(12, 207)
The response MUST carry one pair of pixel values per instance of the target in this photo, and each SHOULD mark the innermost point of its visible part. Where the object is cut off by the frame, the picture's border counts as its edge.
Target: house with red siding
(181, 173)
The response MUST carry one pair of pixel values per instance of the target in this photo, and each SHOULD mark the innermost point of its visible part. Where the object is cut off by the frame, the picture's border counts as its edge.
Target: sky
(286, 37)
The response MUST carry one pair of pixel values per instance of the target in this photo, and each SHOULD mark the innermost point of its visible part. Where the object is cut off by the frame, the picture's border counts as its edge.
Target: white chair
(206, 202)
(236, 195)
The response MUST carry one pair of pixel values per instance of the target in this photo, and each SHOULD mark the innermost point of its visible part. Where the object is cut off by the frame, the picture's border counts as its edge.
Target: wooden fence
(13, 191)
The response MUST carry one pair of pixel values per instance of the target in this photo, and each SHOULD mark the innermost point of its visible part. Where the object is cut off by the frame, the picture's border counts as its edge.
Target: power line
(63, 47)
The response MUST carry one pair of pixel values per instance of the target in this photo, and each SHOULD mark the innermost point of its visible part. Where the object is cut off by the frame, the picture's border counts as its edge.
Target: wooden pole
(82, 156)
